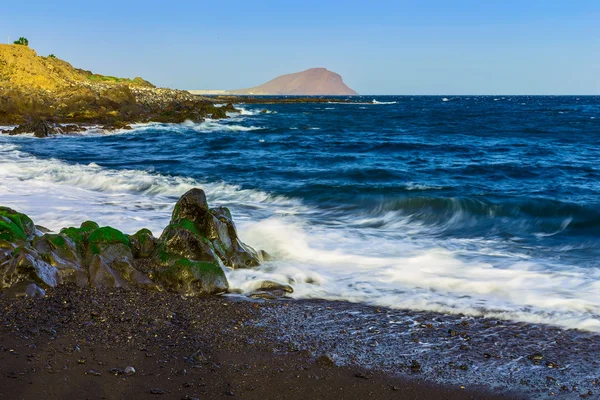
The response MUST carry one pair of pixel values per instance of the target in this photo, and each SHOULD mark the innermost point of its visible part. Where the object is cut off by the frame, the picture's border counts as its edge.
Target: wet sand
(77, 343)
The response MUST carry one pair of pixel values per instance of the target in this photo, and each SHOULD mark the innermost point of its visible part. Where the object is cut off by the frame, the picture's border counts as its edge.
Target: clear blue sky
(379, 47)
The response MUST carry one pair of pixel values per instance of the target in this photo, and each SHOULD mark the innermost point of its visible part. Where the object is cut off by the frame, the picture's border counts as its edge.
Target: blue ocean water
(477, 205)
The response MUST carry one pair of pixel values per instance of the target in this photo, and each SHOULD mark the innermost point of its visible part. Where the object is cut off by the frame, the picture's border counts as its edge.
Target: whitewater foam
(383, 102)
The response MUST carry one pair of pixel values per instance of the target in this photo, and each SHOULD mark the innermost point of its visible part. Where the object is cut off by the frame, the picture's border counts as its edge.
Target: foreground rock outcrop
(189, 258)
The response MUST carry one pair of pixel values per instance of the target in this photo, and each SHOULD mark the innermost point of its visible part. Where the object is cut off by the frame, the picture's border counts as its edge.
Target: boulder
(143, 243)
(25, 289)
(16, 227)
(214, 227)
(230, 108)
(61, 252)
(27, 265)
(40, 128)
(218, 113)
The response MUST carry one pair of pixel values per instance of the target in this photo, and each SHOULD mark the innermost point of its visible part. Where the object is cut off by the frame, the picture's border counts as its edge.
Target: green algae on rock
(189, 258)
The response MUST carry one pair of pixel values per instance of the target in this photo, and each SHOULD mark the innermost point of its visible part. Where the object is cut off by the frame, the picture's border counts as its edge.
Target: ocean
(474, 205)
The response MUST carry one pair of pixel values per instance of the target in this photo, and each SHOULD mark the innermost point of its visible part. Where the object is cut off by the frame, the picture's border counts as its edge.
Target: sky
(379, 47)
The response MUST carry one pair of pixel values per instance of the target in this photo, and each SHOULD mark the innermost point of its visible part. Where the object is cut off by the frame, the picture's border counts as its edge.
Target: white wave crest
(59, 194)
(384, 102)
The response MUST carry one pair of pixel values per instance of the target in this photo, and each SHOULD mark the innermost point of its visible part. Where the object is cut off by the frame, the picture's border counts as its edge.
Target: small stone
(116, 371)
(361, 375)
(93, 373)
(157, 391)
(129, 371)
(415, 366)
(536, 357)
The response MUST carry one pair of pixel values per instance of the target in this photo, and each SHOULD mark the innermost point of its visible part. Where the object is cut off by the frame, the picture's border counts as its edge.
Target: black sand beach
(77, 343)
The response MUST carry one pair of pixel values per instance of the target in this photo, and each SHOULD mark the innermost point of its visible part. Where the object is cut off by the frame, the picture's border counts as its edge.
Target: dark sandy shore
(77, 344)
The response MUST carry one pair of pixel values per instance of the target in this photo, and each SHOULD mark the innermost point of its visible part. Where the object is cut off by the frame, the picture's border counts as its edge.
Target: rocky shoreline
(189, 258)
(47, 96)
(90, 312)
(85, 307)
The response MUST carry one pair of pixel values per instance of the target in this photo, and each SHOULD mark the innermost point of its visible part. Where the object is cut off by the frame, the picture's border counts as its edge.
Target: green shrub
(22, 41)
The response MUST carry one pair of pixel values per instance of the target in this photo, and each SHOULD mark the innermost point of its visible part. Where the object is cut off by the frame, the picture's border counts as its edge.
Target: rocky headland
(46, 95)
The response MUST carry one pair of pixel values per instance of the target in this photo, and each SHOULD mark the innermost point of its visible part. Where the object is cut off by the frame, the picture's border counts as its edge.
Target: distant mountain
(312, 82)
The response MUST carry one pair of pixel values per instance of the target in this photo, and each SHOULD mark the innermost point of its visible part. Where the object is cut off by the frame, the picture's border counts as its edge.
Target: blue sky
(379, 47)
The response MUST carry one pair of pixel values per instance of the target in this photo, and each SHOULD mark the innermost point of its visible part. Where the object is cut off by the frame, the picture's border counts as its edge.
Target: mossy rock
(80, 235)
(185, 241)
(192, 278)
(62, 252)
(103, 237)
(15, 226)
(191, 206)
(143, 243)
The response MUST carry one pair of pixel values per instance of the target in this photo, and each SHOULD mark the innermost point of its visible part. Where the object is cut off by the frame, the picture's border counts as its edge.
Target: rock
(129, 371)
(264, 111)
(27, 265)
(191, 206)
(116, 371)
(536, 358)
(157, 391)
(264, 256)
(192, 278)
(325, 360)
(16, 227)
(39, 128)
(42, 229)
(270, 290)
(196, 246)
(415, 366)
(110, 243)
(230, 108)
(93, 373)
(71, 128)
(271, 286)
(120, 125)
(61, 252)
(25, 289)
(143, 243)
(218, 113)
(101, 275)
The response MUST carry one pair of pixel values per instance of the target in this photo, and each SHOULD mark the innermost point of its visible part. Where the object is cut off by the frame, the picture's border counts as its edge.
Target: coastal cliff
(312, 82)
(34, 88)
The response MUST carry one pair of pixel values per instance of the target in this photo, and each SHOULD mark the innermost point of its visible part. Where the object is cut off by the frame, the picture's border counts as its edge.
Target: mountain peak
(311, 82)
